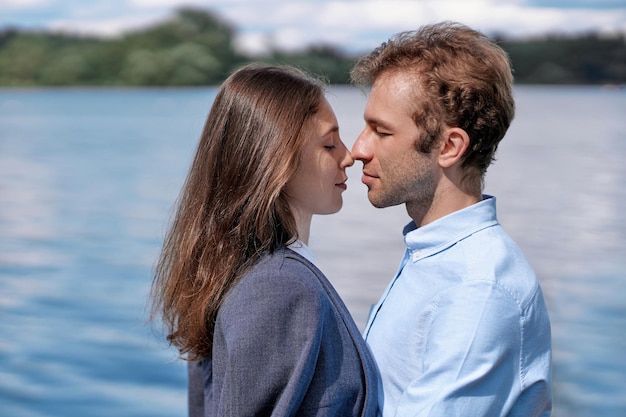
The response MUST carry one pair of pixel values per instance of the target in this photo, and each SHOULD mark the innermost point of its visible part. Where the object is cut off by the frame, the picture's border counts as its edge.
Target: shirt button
(415, 256)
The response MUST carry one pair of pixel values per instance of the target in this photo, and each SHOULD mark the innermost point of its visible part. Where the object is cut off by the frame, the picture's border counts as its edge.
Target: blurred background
(101, 107)
(199, 42)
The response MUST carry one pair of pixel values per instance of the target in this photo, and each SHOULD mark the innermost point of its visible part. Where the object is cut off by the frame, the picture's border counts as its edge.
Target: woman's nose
(347, 160)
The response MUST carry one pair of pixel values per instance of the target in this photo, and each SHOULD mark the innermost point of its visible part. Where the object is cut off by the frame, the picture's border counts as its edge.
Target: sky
(352, 25)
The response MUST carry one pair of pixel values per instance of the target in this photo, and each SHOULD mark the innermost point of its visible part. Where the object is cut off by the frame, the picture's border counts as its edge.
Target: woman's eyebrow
(331, 129)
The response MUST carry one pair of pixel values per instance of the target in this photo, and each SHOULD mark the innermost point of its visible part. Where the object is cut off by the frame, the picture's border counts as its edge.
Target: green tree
(325, 60)
(582, 59)
(194, 48)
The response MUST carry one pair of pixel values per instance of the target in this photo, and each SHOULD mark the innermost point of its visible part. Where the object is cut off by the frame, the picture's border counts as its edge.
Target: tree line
(195, 48)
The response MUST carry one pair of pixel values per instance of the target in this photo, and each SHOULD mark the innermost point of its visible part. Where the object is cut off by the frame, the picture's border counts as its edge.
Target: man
(462, 329)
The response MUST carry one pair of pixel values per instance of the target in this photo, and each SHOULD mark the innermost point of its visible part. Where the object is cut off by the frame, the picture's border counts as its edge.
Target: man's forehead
(401, 91)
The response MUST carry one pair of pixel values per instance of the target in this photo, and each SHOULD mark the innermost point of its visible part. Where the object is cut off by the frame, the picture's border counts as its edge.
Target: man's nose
(360, 149)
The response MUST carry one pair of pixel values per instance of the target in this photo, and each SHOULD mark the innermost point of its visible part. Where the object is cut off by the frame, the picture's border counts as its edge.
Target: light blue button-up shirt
(462, 329)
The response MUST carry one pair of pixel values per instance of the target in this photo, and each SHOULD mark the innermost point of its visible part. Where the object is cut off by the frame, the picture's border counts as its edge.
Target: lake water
(87, 182)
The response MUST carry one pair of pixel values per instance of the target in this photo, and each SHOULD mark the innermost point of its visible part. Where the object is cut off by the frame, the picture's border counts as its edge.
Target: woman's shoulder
(284, 263)
(282, 275)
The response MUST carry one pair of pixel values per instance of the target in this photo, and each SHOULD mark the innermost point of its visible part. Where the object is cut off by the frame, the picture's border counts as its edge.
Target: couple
(461, 330)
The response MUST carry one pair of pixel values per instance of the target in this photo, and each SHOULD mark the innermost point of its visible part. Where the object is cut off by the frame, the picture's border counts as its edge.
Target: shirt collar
(446, 231)
(303, 250)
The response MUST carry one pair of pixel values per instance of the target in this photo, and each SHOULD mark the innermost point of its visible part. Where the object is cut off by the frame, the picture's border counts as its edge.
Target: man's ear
(454, 144)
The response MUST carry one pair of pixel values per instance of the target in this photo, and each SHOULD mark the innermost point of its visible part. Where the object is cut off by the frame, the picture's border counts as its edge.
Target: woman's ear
(454, 144)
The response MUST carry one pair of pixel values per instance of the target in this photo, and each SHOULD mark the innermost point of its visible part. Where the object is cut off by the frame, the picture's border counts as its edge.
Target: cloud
(21, 4)
(167, 4)
(577, 4)
(112, 27)
(361, 25)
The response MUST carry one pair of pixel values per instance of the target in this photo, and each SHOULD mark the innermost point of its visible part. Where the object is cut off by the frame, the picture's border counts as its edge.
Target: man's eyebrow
(378, 123)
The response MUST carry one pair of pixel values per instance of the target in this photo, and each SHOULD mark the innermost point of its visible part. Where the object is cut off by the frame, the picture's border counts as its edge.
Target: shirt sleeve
(268, 338)
(471, 354)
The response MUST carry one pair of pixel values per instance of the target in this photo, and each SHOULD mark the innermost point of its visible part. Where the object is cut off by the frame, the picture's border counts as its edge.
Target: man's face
(394, 171)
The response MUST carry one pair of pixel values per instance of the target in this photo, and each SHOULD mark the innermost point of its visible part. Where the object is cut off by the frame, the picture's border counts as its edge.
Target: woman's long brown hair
(232, 207)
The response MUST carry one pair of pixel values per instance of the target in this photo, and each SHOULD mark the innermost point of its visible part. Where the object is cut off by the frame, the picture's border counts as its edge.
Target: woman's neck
(303, 223)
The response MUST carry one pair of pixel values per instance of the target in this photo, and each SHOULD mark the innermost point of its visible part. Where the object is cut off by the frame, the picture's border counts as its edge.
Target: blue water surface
(88, 178)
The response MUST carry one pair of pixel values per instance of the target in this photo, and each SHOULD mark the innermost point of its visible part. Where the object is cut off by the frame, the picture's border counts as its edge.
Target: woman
(264, 330)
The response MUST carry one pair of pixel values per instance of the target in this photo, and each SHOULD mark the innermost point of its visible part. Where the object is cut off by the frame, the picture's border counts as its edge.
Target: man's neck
(445, 201)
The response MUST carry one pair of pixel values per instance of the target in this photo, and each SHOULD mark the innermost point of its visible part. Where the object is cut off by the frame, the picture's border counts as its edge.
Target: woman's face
(321, 177)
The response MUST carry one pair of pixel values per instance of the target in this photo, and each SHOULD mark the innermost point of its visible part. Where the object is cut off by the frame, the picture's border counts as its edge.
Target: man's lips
(368, 177)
